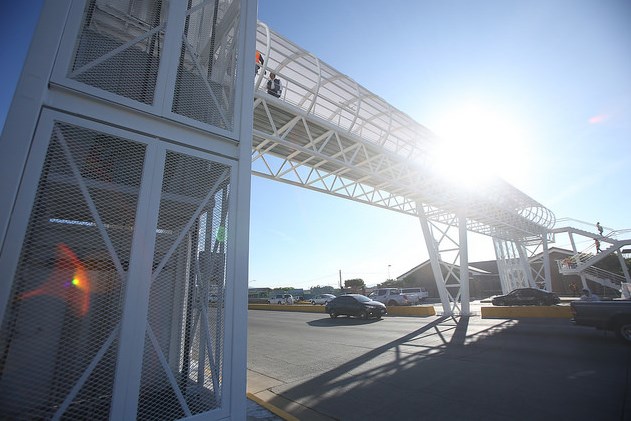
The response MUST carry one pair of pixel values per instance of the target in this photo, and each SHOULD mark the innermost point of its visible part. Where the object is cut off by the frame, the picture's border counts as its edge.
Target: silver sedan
(322, 299)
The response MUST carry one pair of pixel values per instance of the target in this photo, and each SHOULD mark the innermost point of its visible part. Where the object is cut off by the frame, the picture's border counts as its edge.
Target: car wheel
(312, 302)
(392, 303)
(268, 302)
(623, 330)
(333, 314)
(363, 315)
(541, 302)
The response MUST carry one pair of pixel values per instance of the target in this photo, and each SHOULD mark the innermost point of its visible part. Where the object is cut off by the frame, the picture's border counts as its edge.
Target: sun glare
(478, 143)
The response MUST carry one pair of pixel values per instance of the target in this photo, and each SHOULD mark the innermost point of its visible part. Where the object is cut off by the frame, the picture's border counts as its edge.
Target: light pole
(389, 272)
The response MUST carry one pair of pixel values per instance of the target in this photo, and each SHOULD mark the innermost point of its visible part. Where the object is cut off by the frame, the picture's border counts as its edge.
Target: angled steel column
(446, 241)
(434, 259)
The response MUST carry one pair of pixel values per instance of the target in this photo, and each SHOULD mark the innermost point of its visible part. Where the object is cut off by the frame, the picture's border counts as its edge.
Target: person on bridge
(588, 296)
(600, 228)
(273, 85)
(259, 61)
(598, 250)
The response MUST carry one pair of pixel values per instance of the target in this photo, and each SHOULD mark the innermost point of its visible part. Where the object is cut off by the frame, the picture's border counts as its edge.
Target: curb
(271, 408)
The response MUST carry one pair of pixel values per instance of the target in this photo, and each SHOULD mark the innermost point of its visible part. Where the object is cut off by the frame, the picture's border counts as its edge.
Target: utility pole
(341, 287)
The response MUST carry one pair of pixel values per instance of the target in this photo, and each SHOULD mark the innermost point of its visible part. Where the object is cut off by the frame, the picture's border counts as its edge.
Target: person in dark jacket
(273, 85)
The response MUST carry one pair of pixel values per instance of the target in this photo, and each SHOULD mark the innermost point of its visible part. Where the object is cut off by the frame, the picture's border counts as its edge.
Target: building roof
(489, 267)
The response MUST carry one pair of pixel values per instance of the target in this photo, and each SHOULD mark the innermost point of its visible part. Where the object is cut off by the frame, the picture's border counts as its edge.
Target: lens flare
(68, 282)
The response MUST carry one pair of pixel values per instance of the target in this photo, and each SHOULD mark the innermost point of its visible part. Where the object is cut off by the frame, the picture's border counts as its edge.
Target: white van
(281, 299)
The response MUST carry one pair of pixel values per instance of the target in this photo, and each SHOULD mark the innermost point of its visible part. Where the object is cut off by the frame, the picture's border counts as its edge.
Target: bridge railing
(320, 90)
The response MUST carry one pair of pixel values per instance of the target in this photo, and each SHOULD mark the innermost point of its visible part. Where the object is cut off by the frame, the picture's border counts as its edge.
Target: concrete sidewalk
(260, 389)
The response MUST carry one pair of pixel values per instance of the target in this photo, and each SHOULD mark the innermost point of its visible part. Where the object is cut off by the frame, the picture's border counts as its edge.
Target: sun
(478, 142)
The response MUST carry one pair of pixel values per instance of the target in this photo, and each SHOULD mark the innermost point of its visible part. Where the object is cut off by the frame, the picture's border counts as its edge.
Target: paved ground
(442, 368)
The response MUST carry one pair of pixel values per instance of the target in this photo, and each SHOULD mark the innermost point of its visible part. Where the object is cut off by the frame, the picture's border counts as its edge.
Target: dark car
(355, 305)
(526, 297)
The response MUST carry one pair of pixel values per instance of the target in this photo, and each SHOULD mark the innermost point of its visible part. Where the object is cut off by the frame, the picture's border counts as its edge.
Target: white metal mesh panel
(182, 366)
(206, 76)
(59, 338)
(119, 47)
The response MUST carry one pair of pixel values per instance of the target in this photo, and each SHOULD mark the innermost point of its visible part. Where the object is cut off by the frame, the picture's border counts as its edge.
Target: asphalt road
(404, 368)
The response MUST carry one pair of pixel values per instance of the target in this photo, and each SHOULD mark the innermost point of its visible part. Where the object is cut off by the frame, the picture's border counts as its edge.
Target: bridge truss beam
(327, 133)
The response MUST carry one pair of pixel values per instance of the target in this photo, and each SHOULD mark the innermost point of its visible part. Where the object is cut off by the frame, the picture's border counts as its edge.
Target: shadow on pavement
(341, 321)
(502, 370)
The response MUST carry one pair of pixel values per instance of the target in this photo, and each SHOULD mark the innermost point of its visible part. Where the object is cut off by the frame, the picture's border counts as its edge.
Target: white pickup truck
(390, 297)
(415, 295)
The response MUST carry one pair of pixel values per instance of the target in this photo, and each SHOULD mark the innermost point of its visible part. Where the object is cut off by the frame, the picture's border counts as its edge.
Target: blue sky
(549, 82)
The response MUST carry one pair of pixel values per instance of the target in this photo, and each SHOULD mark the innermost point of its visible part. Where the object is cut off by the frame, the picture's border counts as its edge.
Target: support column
(546, 264)
(525, 265)
(624, 288)
(583, 280)
(464, 266)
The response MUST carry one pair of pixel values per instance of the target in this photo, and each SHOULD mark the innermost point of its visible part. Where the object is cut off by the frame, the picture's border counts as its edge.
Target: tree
(390, 283)
(326, 289)
(355, 285)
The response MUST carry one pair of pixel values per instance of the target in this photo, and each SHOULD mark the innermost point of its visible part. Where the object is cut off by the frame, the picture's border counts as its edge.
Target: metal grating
(59, 338)
(182, 364)
(119, 47)
(206, 76)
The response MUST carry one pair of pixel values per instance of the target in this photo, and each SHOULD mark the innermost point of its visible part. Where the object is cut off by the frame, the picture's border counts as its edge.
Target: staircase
(582, 263)
(604, 277)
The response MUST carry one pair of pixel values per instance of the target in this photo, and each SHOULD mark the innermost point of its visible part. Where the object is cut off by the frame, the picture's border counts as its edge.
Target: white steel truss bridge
(327, 133)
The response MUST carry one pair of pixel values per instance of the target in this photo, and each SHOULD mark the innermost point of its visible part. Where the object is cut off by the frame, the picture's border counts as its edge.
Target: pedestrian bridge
(328, 133)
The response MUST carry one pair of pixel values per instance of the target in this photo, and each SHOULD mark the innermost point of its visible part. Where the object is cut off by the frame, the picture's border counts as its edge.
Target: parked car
(356, 305)
(526, 297)
(415, 295)
(322, 299)
(281, 299)
(389, 296)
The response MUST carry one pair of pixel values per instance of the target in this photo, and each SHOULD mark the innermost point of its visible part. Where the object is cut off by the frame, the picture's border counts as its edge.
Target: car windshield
(362, 298)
